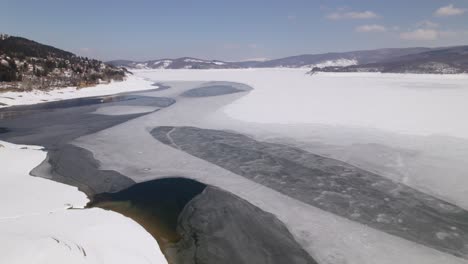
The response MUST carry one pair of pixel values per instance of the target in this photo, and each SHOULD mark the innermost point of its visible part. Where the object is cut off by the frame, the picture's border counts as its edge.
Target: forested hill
(28, 65)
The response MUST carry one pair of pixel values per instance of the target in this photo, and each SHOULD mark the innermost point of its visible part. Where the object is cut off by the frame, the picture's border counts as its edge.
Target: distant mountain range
(402, 60)
(301, 61)
(27, 65)
(452, 60)
(180, 63)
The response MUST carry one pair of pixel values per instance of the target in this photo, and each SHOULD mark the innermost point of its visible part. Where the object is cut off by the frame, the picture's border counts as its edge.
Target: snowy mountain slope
(300, 61)
(180, 63)
(365, 56)
(451, 60)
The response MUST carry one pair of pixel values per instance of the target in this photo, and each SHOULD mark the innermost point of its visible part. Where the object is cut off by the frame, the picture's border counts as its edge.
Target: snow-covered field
(37, 226)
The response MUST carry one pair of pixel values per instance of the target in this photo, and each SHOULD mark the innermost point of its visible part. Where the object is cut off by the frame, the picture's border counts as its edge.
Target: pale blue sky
(233, 30)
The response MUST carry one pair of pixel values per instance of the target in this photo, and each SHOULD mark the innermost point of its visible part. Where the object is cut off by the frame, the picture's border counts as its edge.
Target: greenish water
(155, 205)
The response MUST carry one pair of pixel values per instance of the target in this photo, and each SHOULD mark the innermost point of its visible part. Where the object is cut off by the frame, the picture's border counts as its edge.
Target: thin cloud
(449, 10)
(420, 34)
(427, 24)
(371, 29)
(352, 15)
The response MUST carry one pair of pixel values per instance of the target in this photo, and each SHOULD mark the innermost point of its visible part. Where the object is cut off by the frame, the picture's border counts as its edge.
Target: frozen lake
(360, 168)
(406, 103)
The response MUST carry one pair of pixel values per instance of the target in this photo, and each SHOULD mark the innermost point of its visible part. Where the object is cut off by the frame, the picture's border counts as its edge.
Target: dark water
(213, 90)
(57, 123)
(156, 205)
(16, 111)
(195, 223)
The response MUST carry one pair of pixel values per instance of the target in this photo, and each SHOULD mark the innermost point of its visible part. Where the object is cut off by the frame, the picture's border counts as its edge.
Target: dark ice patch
(213, 90)
(331, 185)
(77, 166)
(219, 227)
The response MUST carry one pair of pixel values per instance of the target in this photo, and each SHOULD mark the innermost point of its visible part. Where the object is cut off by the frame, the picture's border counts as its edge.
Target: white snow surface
(132, 83)
(419, 104)
(36, 227)
(334, 63)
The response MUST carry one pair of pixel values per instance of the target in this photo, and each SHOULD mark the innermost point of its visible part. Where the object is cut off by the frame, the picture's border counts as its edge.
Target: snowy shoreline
(131, 84)
(36, 225)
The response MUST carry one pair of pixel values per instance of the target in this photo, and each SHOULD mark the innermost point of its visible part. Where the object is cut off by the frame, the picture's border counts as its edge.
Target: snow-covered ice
(406, 103)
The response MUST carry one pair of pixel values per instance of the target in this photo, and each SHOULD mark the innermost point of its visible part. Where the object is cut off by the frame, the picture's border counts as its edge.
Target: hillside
(26, 65)
(301, 61)
(180, 63)
(452, 60)
(339, 58)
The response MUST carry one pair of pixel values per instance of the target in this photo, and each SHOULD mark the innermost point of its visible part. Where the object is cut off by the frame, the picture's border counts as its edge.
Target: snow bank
(35, 226)
(132, 83)
(25, 194)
